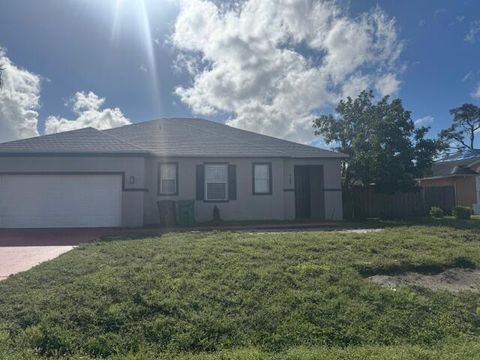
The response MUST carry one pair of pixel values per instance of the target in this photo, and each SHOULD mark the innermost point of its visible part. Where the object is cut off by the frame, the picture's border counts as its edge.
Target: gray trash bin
(167, 213)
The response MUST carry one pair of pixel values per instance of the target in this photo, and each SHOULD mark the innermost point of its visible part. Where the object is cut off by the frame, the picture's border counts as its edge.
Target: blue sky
(107, 47)
(437, 56)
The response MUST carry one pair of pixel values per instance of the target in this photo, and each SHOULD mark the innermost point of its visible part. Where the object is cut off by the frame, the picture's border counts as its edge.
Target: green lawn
(247, 296)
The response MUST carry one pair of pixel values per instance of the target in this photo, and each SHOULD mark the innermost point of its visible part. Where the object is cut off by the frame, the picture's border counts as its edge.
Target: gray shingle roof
(167, 137)
(198, 137)
(446, 166)
(463, 170)
(87, 140)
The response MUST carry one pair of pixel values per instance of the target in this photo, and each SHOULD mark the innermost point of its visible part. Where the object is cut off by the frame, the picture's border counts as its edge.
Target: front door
(302, 192)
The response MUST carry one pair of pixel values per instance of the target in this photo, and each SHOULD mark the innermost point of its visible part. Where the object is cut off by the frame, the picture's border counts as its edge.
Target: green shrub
(436, 212)
(462, 212)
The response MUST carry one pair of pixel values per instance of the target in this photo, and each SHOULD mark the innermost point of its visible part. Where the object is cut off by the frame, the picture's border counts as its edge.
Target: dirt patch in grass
(454, 280)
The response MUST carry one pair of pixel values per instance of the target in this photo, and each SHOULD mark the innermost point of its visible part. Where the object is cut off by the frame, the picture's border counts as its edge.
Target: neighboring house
(462, 172)
(92, 178)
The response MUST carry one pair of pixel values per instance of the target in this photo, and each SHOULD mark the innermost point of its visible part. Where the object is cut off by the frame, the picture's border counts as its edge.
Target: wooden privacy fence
(360, 202)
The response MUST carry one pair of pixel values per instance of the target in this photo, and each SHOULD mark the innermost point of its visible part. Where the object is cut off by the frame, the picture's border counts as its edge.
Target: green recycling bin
(186, 212)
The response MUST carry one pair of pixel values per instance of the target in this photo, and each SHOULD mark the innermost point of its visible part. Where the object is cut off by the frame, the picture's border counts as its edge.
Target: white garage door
(43, 201)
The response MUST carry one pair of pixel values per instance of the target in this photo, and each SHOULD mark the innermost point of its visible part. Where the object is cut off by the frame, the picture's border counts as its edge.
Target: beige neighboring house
(462, 171)
(110, 178)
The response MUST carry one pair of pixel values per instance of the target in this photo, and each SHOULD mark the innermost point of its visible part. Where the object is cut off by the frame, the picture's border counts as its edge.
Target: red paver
(51, 237)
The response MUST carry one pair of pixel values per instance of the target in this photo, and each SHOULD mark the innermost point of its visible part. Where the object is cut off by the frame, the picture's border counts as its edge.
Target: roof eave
(446, 176)
(73, 154)
(148, 154)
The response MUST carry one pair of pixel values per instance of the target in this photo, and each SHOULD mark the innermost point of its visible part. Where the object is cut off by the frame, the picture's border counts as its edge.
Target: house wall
(139, 200)
(465, 194)
(279, 205)
(132, 196)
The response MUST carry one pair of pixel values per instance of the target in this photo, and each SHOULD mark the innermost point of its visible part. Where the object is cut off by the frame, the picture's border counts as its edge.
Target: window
(167, 179)
(262, 178)
(216, 179)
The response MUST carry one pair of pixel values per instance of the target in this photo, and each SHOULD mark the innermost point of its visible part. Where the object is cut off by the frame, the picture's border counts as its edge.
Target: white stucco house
(110, 178)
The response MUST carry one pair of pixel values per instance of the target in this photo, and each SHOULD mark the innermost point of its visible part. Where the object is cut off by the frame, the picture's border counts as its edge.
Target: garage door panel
(32, 201)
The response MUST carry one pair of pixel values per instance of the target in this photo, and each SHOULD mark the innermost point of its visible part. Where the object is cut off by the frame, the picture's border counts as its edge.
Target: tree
(383, 144)
(460, 136)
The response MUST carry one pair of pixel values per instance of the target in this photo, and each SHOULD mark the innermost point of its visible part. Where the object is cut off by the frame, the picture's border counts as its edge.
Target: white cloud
(143, 68)
(424, 121)
(388, 84)
(355, 86)
(19, 101)
(476, 92)
(189, 63)
(471, 36)
(87, 108)
(252, 67)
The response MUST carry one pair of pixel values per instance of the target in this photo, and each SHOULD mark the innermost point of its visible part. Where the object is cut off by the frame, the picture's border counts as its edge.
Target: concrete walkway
(15, 259)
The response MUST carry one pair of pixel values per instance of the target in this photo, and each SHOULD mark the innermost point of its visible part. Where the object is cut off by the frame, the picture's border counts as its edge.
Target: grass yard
(247, 296)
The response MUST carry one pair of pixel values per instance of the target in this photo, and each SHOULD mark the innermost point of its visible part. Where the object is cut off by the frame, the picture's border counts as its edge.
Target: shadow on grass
(426, 269)
(471, 224)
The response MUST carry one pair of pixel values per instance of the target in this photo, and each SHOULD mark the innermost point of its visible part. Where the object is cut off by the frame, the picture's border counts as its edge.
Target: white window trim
(160, 190)
(206, 182)
(269, 184)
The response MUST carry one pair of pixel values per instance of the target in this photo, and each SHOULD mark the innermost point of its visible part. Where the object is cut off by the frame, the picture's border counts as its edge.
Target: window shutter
(200, 179)
(159, 179)
(232, 182)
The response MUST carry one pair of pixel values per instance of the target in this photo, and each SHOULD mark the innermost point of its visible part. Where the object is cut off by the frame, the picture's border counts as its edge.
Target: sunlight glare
(139, 10)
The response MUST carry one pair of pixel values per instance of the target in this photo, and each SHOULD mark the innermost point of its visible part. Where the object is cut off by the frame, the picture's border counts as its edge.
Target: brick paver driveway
(51, 237)
(14, 259)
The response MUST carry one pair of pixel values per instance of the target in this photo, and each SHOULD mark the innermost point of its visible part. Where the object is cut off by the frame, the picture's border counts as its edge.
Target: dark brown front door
(302, 192)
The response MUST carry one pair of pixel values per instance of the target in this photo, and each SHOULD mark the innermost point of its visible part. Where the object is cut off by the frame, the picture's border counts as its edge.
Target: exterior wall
(246, 207)
(139, 200)
(279, 205)
(465, 188)
(133, 194)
